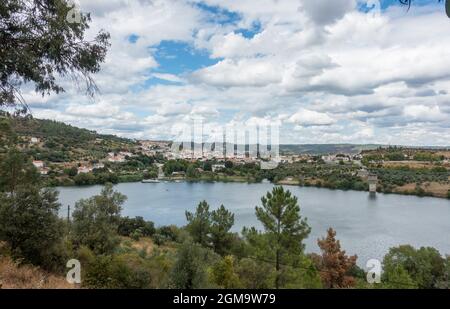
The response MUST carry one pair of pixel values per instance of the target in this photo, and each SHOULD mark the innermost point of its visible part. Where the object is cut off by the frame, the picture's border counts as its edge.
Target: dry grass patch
(15, 276)
(435, 188)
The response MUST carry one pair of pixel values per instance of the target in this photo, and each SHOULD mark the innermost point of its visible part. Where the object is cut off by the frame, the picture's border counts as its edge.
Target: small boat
(150, 181)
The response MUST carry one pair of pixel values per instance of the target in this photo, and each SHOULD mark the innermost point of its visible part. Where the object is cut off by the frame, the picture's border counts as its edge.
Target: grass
(15, 276)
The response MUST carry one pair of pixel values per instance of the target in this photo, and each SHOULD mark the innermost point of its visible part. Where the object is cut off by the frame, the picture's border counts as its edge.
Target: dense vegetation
(64, 143)
(123, 252)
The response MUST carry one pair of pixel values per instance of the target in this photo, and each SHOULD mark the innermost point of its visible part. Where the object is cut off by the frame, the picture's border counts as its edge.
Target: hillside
(59, 142)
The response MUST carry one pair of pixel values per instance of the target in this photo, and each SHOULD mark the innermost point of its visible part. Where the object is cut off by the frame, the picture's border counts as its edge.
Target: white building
(84, 170)
(34, 140)
(38, 164)
(98, 165)
(217, 167)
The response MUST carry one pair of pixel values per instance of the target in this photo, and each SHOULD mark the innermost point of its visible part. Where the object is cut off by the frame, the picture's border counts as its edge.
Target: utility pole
(68, 213)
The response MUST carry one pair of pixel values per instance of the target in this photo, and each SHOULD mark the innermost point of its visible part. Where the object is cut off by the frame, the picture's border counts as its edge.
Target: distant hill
(59, 142)
(320, 149)
(50, 129)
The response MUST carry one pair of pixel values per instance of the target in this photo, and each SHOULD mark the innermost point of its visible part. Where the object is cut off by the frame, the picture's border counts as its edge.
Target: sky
(355, 71)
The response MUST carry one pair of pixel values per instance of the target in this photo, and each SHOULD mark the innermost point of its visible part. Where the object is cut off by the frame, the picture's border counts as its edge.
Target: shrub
(95, 221)
(31, 227)
(190, 269)
(127, 226)
(169, 232)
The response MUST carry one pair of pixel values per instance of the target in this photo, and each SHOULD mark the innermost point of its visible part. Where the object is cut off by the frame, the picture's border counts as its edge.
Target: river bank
(432, 189)
(366, 225)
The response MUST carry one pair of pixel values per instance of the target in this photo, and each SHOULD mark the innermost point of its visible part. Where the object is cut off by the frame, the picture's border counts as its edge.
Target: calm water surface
(365, 226)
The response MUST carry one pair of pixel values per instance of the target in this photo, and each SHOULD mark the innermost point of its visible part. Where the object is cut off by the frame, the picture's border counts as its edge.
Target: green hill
(55, 141)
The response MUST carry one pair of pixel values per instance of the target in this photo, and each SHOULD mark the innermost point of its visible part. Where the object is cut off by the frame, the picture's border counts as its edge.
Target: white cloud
(324, 11)
(424, 113)
(244, 72)
(332, 72)
(306, 117)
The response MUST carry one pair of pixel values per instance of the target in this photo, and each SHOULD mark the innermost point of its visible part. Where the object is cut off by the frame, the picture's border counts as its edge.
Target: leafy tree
(255, 274)
(334, 263)
(174, 166)
(117, 271)
(72, 172)
(222, 221)
(39, 40)
(304, 275)
(444, 283)
(207, 166)
(29, 220)
(191, 172)
(396, 277)
(16, 170)
(280, 216)
(170, 232)
(190, 269)
(128, 226)
(199, 224)
(425, 266)
(85, 179)
(223, 274)
(229, 164)
(96, 220)
(7, 135)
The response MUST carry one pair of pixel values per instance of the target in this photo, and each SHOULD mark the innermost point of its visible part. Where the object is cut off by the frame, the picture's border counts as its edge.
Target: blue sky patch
(176, 57)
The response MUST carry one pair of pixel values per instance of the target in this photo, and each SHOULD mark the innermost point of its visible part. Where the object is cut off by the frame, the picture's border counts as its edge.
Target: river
(365, 226)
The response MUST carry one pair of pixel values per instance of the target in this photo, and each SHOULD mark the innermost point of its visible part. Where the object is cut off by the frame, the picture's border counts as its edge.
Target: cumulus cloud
(325, 12)
(306, 117)
(321, 68)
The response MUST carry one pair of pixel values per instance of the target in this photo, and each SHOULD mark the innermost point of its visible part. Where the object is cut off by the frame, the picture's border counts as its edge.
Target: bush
(255, 275)
(95, 221)
(425, 267)
(127, 226)
(31, 227)
(190, 269)
(159, 239)
(223, 274)
(169, 232)
(136, 234)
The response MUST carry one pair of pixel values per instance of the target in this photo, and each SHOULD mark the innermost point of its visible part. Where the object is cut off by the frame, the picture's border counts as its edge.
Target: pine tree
(222, 222)
(280, 216)
(199, 224)
(334, 264)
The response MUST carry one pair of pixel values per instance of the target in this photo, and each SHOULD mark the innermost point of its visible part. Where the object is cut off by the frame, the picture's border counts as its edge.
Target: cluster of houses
(119, 157)
(152, 148)
(84, 169)
(40, 165)
(337, 158)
